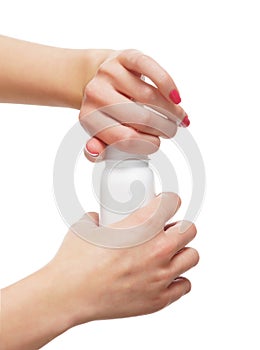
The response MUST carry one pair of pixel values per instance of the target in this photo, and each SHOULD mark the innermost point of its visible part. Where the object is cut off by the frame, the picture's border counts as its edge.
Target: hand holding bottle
(102, 283)
(113, 104)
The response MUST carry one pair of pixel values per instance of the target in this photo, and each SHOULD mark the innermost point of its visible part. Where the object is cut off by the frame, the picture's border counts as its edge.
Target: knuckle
(103, 68)
(91, 90)
(125, 137)
(136, 57)
(140, 59)
(165, 274)
(129, 134)
(147, 118)
(128, 52)
(163, 78)
(148, 94)
(108, 68)
(161, 248)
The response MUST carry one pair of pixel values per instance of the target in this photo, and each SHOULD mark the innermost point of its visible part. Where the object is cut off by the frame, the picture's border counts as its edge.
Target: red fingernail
(185, 122)
(175, 96)
(91, 153)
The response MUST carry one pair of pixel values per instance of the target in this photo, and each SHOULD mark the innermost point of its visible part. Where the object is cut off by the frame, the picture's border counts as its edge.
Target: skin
(118, 78)
(90, 80)
(84, 282)
(43, 75)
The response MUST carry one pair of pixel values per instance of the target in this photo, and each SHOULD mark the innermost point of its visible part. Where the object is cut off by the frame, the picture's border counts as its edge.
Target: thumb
(94, 149)
(88, 221)
(158, 211)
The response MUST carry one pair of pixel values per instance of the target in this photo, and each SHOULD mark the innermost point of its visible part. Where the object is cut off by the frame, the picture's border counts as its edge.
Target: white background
(211, 48)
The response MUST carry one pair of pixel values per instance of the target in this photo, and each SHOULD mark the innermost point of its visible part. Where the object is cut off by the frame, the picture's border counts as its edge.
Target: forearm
(32, 312)
(43, 75)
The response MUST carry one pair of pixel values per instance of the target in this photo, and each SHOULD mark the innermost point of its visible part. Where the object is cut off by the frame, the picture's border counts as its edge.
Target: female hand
(85, 282)
(114, 106)
(101, 283)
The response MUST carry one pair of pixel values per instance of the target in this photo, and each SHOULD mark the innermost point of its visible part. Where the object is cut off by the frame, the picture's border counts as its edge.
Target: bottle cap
(113, 153)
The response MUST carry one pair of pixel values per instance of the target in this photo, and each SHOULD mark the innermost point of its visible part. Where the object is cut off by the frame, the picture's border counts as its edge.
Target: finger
(145, 93)
(94, 149)
(177, 289)
(150, 96)
(182, 262)
(171, 224)
(179, 236)
(110, 131)
(160, 209)
(121, 109)
(123, 137)
(137, 61)
(140, 117)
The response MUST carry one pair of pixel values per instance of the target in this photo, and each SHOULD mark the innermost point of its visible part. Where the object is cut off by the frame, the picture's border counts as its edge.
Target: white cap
(113, 153)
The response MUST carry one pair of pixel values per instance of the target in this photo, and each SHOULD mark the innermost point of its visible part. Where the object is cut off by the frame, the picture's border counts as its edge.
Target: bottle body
(126, 185)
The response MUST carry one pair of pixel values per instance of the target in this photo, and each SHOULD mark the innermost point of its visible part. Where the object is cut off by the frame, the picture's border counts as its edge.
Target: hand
(85, 282)
(113, 104)
(100, 283)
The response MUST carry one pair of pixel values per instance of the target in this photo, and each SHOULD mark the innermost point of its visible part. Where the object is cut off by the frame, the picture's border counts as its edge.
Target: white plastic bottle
(127, 184)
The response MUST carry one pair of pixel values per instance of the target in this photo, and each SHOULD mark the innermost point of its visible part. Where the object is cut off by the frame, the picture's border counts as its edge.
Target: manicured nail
(185, 122)
(90, 153)
(175, 96)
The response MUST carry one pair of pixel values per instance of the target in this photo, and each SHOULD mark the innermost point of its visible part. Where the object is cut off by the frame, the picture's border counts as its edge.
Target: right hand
(113, 110)
(99, 283)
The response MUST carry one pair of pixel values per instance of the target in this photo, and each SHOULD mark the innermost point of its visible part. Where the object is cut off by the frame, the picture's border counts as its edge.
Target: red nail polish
(92, 154)
(175, 96)
(185, 122)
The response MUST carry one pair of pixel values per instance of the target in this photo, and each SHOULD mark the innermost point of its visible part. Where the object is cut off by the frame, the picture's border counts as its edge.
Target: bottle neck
(124, 159)
(115, 154)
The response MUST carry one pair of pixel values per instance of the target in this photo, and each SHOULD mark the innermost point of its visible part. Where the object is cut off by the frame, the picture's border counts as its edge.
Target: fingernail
(175, 96)
(90, 153)
(185, 122)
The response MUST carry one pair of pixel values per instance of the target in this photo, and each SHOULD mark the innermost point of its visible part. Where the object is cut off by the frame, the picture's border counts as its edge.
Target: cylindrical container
(127, 184)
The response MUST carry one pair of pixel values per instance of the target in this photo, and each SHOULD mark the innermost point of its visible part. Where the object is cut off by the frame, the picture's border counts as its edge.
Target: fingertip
(175, 96)
(90, 157)
(94, 150)
(186, 225)
(186, 282)
(185, 122)
(173, 197)
(95, 146)
(178, 288)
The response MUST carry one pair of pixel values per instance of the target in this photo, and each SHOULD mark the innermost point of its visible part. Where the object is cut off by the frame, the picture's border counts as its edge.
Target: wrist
(79, 67)
(44, 75)
(67, 293)
(32, 311)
